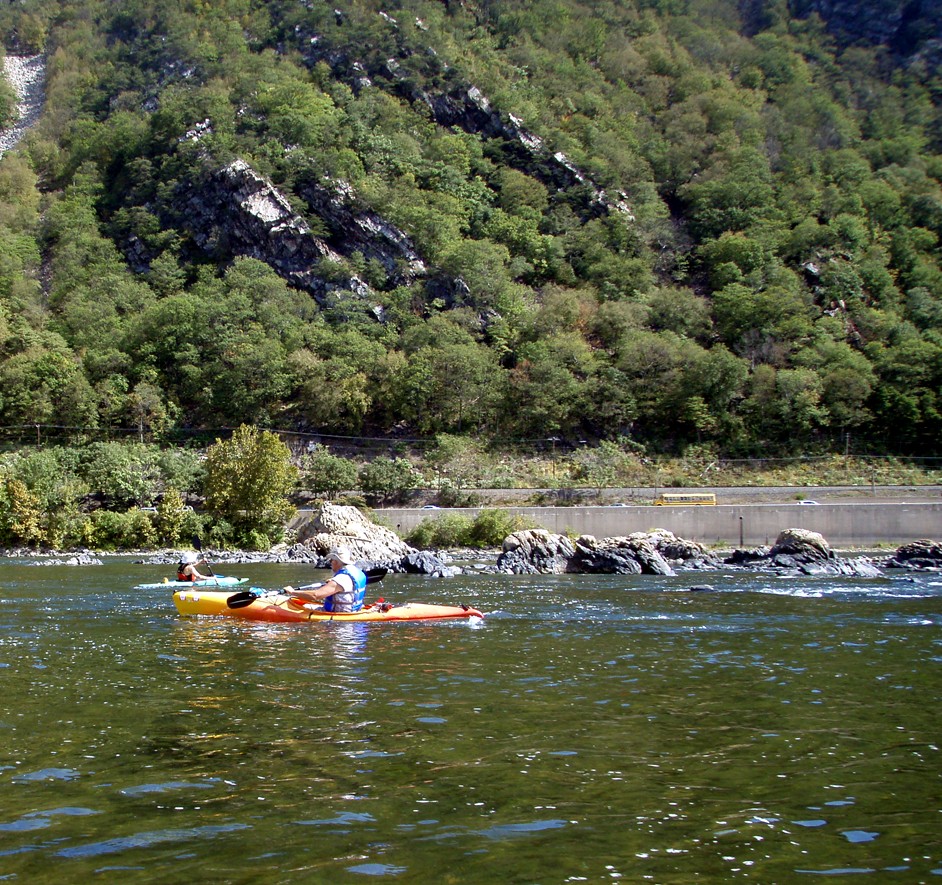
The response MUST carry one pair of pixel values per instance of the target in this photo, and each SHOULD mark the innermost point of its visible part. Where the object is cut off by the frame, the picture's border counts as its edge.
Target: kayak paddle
(247, 597)
(198, 546)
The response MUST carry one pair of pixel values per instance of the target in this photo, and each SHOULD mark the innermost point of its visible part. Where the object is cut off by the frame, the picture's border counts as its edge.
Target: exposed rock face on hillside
(467, 108)
(462, 105)
(354, 228)
(27, 75)
(238, 211)
(235, 210)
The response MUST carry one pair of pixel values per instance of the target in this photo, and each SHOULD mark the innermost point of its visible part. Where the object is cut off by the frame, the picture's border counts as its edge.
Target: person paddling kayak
(187, 571)
(343, 592)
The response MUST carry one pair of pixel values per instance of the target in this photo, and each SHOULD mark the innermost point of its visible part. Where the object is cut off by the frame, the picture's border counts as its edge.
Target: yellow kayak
(278, 607)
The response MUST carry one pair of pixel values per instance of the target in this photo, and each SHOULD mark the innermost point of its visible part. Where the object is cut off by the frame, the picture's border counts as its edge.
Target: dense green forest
(715, 231)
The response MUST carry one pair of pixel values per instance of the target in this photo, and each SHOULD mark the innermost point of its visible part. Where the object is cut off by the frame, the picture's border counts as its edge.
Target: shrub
(490, 527)
(324, 474)
(248, 479)
(487, 529)
(450, 496)
(221, 534)
(256, 540)
(123, 531)
(388, 478)
(123, 474)
(445, 531)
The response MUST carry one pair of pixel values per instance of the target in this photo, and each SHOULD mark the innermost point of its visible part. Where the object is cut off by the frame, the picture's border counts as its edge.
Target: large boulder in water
(336, 525)
(679, 551)
(535, 551)
(424, 563)
(917, 555)
(751, 556)
(803, 545)
(631, 555)
(807, 552)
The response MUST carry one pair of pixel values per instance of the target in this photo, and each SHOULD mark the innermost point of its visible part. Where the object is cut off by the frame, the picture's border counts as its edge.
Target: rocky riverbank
(537, 551)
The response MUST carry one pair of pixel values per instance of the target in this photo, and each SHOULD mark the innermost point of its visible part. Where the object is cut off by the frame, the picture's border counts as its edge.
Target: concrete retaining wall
(728, 525)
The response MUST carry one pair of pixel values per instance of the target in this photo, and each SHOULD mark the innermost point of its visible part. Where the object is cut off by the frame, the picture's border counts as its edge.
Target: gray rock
(463, 105)
(335, 525)
(27, 75)
(747, 557)
(535, 551)
(632, 555)
(235, 210)
(424, 563)
(804, 545)
(689, 554)
(802, 552)
(921, 554)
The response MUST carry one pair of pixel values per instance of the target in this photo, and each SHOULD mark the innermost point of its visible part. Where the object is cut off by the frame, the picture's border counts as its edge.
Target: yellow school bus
(685, 498)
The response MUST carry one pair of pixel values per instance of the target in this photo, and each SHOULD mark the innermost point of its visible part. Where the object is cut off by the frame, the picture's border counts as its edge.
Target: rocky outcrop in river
(536, 551)
(335, 525)
(803, 552)
(922, 554)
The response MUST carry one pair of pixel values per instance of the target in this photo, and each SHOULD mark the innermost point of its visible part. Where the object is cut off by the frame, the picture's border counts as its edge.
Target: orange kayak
(278, 607)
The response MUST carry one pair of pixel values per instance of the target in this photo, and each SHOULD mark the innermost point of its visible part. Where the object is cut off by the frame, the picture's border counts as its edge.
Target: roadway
(847, 516)
(727, 495)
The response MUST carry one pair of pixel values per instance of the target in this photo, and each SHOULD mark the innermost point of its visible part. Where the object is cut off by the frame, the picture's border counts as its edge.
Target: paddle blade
(241, 600)
(375, 574)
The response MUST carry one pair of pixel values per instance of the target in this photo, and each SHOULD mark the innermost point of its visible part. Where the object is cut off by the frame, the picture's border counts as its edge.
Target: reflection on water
(589, 729)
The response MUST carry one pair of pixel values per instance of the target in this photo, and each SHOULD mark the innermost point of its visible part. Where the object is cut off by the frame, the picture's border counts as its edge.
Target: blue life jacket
(348, 602)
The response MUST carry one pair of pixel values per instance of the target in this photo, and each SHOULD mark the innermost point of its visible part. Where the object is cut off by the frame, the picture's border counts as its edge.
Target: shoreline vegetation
(243, 492)
(454, 537)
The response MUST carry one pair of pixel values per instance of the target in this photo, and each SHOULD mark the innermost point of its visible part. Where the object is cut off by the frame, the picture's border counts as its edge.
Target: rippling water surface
(587, 730)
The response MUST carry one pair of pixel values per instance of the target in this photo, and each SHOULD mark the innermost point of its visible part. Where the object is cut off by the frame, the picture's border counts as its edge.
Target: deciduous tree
(248, 479)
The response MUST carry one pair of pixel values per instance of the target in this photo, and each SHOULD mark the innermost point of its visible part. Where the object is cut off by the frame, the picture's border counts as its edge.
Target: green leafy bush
(448, 530)
(490, 527)
(132, 530)
(324, 473)
(487, 529)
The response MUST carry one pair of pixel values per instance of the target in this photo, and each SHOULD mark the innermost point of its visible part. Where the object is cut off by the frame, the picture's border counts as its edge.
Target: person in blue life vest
(187, 571)
(344, 591)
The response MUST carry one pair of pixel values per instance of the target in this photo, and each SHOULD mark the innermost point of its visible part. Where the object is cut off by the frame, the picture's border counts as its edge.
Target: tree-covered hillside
(662, 223)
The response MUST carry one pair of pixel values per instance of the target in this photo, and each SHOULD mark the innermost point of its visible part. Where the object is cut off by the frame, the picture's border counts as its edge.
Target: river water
(589, 729)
